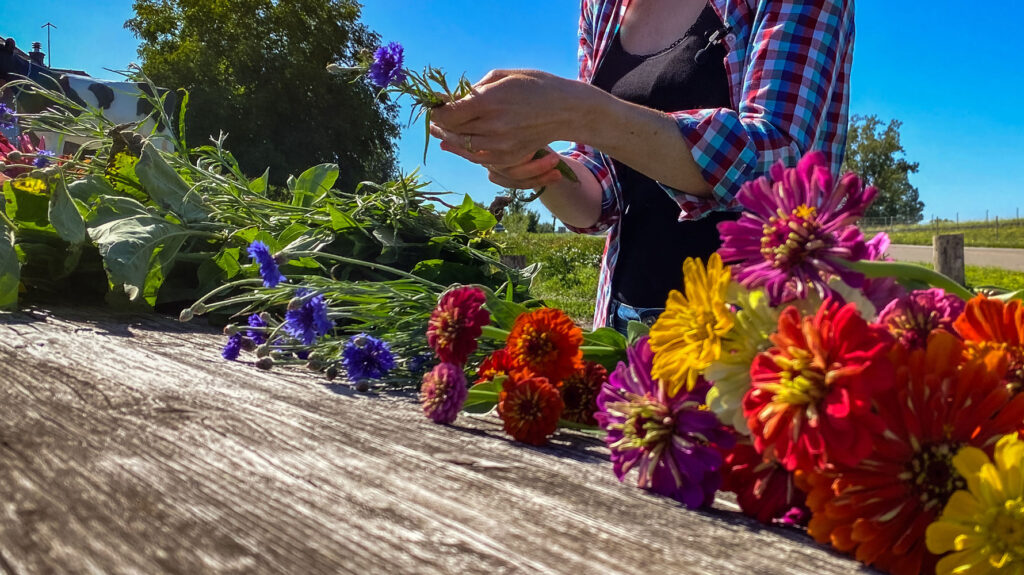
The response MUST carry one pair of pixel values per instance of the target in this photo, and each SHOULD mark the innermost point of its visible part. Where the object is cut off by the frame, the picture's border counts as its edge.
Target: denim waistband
(620, 314)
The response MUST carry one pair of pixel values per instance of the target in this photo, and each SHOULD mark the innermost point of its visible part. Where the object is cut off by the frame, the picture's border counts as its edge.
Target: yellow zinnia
(688, 335)
(984, 526)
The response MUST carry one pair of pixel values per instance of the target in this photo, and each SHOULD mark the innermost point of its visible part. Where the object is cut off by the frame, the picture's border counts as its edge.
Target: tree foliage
(518, 219)
(255, 69)
(875, 153)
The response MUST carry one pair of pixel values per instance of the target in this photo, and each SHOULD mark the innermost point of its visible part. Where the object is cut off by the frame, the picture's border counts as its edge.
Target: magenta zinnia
(913, 317)
(456, 324)
(672, 442)
(443, 392)
(795, 228)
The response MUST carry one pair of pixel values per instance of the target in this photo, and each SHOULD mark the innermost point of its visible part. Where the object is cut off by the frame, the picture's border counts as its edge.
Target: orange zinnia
(989, 324)
(879, 510)
(547, 343)
(530, 409)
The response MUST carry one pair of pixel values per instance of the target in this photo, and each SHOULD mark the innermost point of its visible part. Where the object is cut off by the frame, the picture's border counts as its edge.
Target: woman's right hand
(527, 174)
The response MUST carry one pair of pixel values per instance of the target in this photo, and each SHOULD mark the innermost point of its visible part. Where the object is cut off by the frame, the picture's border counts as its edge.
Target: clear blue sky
(949, 70)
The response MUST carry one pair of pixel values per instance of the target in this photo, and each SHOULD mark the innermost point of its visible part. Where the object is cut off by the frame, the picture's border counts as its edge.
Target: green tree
(518, 219)
(255, 69)
(876, 155)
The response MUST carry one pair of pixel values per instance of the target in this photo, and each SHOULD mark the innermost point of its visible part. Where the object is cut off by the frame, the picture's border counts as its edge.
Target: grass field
(1004, 234)
(570, 265)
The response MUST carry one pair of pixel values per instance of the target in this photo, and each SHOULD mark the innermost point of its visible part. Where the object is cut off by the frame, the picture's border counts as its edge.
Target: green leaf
(635, 330)
(127, 236)
(87, 189)
(65, 217)
(25, 205)
(503, 312)
(494, 333)
(605, 337)
(166, 187)
(482, 397)
(605, 346)
(470, 218)
(340, 221)
(10, 271)
(259, 185)
(313, 184)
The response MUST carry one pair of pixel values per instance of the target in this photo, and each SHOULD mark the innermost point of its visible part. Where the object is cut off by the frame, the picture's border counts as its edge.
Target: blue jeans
(620, 314)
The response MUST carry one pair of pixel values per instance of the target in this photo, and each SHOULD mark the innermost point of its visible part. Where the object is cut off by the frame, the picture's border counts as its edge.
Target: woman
(679, 102)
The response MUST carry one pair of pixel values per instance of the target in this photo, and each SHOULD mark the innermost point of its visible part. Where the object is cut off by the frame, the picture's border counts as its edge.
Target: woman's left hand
(509, 115)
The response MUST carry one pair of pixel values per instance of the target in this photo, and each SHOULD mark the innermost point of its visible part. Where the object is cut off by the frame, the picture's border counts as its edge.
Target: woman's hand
(509, 116)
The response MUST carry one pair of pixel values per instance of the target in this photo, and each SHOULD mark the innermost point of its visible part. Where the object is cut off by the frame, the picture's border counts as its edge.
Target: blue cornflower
(268, 266)
(233, 347)
(386, 69)
(258, 337)
(43, 158)
(419, 362)
(310, 321)
(366, 357)
(6, 117)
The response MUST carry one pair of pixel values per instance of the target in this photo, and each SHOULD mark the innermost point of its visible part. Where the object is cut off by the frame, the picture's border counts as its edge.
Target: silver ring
(468, 142)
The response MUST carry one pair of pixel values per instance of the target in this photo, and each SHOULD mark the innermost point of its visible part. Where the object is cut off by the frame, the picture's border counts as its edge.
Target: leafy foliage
(255, 69)
(876, 154)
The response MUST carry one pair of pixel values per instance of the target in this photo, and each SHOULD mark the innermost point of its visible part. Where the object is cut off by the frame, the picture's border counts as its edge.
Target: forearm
(644, 139)
(577, 204)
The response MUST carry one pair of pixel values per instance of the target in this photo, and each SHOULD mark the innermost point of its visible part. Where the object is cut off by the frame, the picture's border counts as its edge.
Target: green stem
(226, 287)
(370, 265)
(905, 271)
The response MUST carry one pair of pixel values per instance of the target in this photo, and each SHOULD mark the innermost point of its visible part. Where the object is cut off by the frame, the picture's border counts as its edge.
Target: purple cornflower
(386, 69)
(43, 158)
(672, 442)
(6, 117)
(232, 348)
(366, 357)
(912, 317)
(309, 321)
(268, 265)
(443, 392)
(258, 337)
(794, 227)
(880, 291)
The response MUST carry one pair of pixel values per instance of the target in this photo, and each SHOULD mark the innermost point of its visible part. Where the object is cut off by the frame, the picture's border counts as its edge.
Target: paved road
(1006, 258)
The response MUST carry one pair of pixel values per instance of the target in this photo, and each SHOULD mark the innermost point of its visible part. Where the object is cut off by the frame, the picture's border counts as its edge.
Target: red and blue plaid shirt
(788, 64)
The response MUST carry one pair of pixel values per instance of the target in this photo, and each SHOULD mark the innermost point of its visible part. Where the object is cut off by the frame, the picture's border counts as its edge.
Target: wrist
(586, 105)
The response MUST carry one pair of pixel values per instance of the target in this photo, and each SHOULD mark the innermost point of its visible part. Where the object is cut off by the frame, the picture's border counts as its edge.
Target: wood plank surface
(128, 446)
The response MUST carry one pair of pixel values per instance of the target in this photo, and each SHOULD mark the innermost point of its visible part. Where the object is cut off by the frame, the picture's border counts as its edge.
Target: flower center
(537, 346)
(932, 472)
(528, 407)
(648, 424)
(448, 327)
(788, 238)
(1006, 531)
(801, 382)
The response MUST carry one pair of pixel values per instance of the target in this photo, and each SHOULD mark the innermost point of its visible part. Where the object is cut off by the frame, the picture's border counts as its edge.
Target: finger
(531, 169)
(453, 115)
(461, 152)
(493, 76)
(546, 179)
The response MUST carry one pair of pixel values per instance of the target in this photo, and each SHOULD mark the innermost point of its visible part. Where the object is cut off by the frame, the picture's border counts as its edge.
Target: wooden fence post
(948, 256)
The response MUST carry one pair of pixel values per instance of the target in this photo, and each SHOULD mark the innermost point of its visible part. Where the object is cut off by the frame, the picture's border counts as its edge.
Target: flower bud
(198, 308)
(295, 303)
(314, 365)
(186, 315)
(230, 330)
(332, 373)
(15, 156)
(363, 386)
(248, 344)
(359, 341)
(263, 351)
(281, 258)
(265, 363)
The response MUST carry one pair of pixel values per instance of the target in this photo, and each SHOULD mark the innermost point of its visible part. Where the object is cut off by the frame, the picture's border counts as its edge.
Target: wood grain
(128, 446)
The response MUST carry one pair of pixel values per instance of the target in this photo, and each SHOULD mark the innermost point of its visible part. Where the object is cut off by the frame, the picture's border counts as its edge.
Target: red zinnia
(497, 364)
(880, 509)
(809, 404)
(456, 324)
(764, 489)
(530, 409)
(546, 342)
(989, 324)
(579, 392)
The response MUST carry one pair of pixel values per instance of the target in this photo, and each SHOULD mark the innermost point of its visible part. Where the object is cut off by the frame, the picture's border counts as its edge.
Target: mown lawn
(570, 265)
(1007, 234)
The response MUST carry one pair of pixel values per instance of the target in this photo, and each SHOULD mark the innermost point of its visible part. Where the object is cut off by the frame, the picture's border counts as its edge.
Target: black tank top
(653, 243)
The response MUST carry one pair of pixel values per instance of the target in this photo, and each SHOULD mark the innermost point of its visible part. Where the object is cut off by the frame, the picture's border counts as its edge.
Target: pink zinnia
(443, 392)
(795, 228)
(913, 317)
(456, 324)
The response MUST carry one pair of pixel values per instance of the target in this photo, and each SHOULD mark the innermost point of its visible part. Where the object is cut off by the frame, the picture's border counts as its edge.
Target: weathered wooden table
(128, 446)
